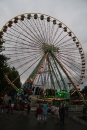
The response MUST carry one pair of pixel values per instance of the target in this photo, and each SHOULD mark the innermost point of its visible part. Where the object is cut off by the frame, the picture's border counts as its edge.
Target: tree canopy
(10, 71)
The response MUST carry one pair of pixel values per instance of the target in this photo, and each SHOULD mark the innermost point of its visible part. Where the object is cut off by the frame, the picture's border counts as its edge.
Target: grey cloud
(73, 13)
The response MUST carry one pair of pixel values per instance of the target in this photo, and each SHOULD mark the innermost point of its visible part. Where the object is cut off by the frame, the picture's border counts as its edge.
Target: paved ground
(19, 122)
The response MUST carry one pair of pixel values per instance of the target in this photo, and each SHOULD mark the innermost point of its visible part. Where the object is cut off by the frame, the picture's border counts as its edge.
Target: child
(39, 113)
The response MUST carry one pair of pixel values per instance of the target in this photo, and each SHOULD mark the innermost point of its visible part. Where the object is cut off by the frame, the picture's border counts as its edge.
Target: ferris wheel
(44, 51)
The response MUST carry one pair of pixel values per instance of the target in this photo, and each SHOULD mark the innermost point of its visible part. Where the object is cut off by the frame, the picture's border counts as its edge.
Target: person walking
(12, 108)
(53, 110)
(67, 109)
(44, 112)
(1, 109)
(57, 113)
(62, 113)
(28, 110)
(39, 113)
(9, 109)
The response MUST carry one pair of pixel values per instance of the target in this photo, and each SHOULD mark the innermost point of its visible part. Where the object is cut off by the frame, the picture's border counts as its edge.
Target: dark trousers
(62, 118)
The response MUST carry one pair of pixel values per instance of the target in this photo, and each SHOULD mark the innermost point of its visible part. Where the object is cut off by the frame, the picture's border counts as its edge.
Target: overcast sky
(73, 13)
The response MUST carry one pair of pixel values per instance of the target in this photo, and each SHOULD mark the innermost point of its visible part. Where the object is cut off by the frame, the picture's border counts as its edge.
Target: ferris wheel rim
(46, 17)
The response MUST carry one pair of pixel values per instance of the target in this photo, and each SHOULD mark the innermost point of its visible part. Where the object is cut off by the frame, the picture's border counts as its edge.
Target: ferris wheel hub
(48, 48)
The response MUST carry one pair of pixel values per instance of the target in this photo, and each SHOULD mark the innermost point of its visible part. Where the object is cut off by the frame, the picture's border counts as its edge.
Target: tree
(1, 45)
(12, 74)
(3, 65)
(84, 91)
(3, 58)
(14, 77)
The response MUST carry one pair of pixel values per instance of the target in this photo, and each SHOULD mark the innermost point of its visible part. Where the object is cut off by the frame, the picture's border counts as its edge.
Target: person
(62, 113)
(25, 108)
(8, 109)
(53, 110)
(22, 108)
(67, 109)
(1, 109)
(39, 113)
(12, 108)
(28, 110)
(57, 112)
(44, 112)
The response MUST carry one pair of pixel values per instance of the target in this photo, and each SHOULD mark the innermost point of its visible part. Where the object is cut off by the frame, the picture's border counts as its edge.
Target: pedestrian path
(19, 122)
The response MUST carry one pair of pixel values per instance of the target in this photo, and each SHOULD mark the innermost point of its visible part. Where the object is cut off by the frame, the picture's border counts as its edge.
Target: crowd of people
(43, 111)
(9, 107)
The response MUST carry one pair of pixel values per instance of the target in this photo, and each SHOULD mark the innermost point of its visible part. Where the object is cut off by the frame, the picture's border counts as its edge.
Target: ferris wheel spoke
(34, 36)
(24, 53)
(19, 49)
(42, 32)
(55, 34)
(37, 28)
(42, 28)
(21, 44)
(61, 39)
(72, 54)
(64, 42)
(34, 58)
(27, 32)
(72, 59)
(19, 56)
(17, 30)
(23, 58)
(28, 36)
(68, 45)
(69, 68)
(35, 32)
(70, 50)
(51, 33)
(45, 31)
(23, 40)
(24, 71)
(71, 64)
(57, 37)
(30, 66)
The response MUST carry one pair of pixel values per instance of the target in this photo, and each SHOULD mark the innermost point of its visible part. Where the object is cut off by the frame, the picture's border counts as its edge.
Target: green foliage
(3, 61)
(12, 74)
(84, 91)
(1, 45)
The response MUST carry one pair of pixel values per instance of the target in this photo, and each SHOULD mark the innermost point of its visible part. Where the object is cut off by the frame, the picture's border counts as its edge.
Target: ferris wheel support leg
(37, 69)
(59, 71)
(81, 96)
(51, 76)
(54, 74)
